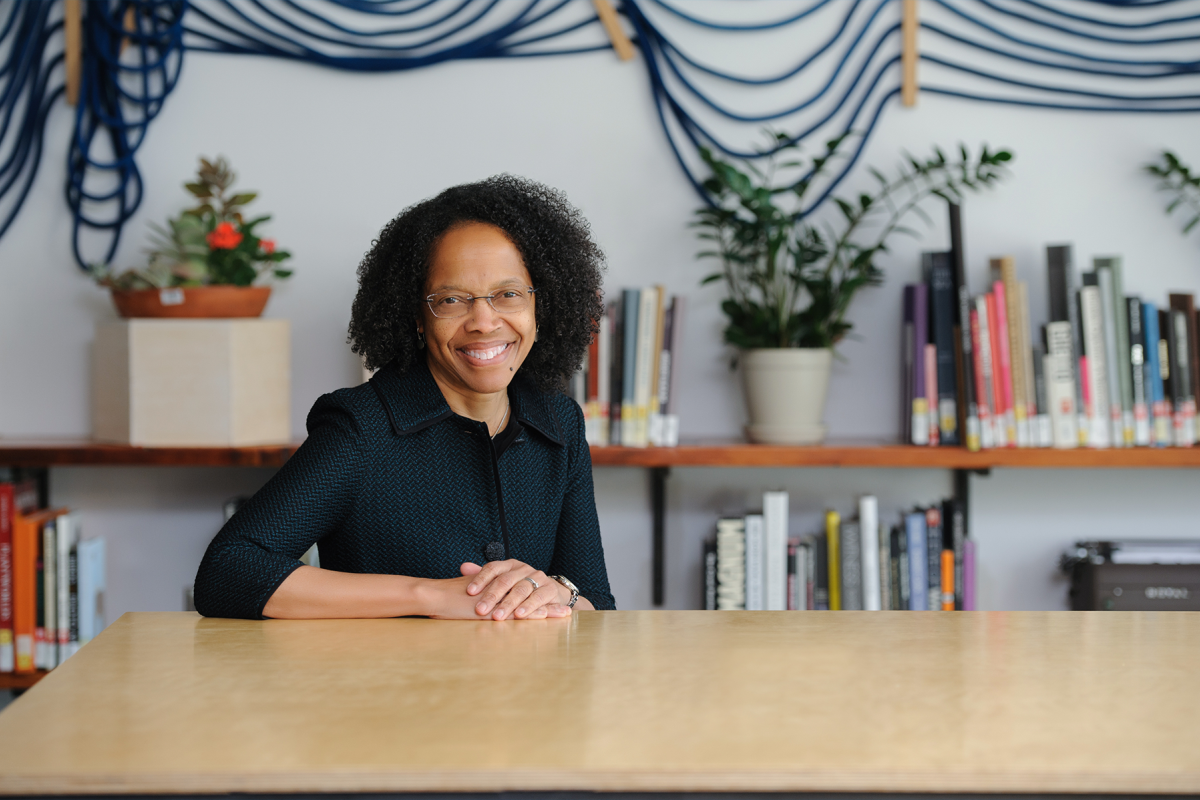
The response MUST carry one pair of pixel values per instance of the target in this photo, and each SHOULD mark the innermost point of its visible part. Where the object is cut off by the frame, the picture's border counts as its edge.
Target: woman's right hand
(448, 599)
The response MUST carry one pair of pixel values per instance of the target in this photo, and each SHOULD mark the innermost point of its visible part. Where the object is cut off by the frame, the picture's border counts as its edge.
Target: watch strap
(569, 587)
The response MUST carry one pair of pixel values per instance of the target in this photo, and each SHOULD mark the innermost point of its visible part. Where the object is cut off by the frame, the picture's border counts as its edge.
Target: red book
(983, 395)
(14, 498)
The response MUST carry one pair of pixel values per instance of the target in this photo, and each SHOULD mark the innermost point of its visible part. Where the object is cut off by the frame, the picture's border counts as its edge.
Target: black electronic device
(1146, 575)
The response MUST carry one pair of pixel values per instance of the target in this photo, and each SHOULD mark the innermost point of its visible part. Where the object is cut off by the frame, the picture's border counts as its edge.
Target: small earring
(420, 339)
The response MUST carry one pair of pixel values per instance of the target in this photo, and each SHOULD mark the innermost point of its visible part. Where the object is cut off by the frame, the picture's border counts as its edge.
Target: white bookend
(1060, 385)
(868, 521)
(1099, 430)
(65, 539)
(755, 590)
(775, 526)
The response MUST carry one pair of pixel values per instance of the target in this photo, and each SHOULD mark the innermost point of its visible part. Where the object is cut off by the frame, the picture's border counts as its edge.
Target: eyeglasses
(448, 305)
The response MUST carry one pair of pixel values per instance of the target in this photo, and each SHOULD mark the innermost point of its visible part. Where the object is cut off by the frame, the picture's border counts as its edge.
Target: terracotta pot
(199, 301)
(785, 394)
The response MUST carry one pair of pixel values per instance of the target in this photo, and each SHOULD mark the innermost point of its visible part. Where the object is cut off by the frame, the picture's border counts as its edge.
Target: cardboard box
(192, 382)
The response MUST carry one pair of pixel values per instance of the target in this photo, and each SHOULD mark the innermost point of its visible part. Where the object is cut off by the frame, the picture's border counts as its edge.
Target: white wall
(336, 155)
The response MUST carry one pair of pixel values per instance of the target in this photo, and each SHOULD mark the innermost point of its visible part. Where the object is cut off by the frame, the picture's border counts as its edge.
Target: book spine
(940, 278)
(983, 374)
(1012, 364)
(1186, 304)
(933, 559)
(26, 538)
(918, 563)
(1027, 358)
(49, 620)
(775, 538)
(1160, 425)
(821, 572)
(959, 521)
(731, 564)
(591, 414)
(65, 542)
(1045, 433)
(1064, 307)
(604, 377)
(885, 568)
(1006, 421)
(833, 553)
(1185, 401)
(755, 566)
(617, 376)
(947, 580)
(654, 385)
(965, 364)
(908, 409)
(905, 573)
(1099, 428)
(969, 575)
(1060, 385)
(631, 304)
(920, 409)
(678, 320)
(73, 602)
(710, 575)
(658, 427)
(645, 358)
(7, 513)
(1137, 371)
(850, 541)
(803, 571)
(1124, 354)
(931, 392)
(898, 570)
(1112, 355)
(868, 520)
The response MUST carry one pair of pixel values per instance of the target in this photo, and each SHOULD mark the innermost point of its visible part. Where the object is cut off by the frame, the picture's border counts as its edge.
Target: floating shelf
(862, 454)
(20, 680)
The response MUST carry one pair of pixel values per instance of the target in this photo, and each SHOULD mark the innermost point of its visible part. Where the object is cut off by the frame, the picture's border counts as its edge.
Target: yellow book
(833, 522)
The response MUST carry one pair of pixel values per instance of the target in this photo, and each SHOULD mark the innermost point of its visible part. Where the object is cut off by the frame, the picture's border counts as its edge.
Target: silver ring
(531, 580)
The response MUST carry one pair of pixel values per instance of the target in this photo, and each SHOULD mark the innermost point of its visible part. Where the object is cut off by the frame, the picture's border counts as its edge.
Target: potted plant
(790, 282)
(209, 262)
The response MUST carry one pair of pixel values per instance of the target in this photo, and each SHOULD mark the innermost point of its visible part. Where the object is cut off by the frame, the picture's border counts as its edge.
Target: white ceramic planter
(785, 394)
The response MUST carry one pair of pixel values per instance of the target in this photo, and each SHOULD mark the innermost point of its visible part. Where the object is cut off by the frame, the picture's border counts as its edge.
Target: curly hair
(554, 240)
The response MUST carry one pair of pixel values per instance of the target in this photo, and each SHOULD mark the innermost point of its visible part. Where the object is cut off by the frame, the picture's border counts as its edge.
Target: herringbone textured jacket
(391, 481)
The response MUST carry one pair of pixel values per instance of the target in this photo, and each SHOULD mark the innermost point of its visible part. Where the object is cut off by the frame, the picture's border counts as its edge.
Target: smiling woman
(457, 483)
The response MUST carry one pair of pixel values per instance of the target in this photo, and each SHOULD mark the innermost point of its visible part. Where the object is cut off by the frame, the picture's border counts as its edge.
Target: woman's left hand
(505, 593)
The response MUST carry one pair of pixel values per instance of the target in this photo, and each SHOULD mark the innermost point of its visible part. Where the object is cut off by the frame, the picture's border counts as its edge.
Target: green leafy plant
(1176, 178)
(789, 281)
(210, 244)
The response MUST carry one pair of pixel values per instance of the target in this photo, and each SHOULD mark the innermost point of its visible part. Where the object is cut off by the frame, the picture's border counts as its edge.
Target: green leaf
(282, 273)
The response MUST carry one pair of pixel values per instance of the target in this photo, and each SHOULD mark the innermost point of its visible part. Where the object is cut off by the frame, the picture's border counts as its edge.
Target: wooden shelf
(81, 452)
(20, 680)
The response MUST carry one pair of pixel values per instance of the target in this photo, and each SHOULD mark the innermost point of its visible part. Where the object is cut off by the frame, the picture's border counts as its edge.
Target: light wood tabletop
(1089, 702)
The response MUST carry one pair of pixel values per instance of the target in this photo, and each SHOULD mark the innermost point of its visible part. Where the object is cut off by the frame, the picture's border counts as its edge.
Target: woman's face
(479, 352)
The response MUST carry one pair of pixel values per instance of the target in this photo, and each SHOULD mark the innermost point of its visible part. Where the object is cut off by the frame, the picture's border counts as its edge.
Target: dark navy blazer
(391, 481)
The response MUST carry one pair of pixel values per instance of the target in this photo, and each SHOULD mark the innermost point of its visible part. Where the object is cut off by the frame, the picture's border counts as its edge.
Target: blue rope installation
(1029, 53)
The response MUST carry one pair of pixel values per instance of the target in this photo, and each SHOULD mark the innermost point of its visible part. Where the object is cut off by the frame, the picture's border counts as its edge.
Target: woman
(457, 483)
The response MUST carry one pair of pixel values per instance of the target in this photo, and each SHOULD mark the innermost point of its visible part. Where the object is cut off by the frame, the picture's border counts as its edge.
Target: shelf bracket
(658, 510)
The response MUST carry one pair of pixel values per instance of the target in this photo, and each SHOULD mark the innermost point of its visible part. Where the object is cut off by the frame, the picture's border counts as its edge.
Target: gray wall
(337, 155)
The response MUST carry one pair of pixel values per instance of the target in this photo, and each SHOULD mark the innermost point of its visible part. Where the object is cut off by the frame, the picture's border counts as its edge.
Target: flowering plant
(210, 244)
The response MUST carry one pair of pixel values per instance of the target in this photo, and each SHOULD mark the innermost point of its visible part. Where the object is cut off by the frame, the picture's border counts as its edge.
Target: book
(933, 558)
(833, 556)
(15, 498)
(65, 538)
(1012, 362)
(1027, 364)
(775, 538)
(868, 521)
(920, 403)
(1005, 420)
(604, 378)
(1181, 380)
(1063, 294)
(1186, 304)
(931, 393)
(616, 380)
(803, 572)
(1137, 371)
(631, 305)
(949, 563)
(731, 564)
(969, 575)
(821, 572)
(953, 511)
(47, 631)
(1112, 354)
(1094, 365)
(755, 563)
(885, 569)
(968, 410)
(27, 537)
(939, 275)
(851, 584)
(904, 582)
(897, 569)
(1060, 384)
(984, 378)
(1160, 418)
(908, 411)
(709, 587)
(653, 432)
(917, 561)
(645, 359)
(675, 350)
(1123, 365)
(1044, 434)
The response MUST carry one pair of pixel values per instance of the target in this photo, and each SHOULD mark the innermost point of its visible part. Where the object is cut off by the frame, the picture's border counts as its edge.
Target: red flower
(225, 237)
(267, 245)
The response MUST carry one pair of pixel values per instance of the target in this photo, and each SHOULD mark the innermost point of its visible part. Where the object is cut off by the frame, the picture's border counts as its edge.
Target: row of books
(1108, 370)
(923, 562)
(627, 387)
(51, 582)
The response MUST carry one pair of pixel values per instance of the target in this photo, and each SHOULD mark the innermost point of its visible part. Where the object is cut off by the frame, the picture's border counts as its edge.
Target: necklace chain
(500, 425)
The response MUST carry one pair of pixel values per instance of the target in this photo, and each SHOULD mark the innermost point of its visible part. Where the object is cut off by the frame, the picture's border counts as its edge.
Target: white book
(1099, 428)
(1060, 386)
(868, 527)
(731, 564)
(90, 554)
(755, 564)
(775, 525)
(65, 539)
(1112, 362)
(643, 384)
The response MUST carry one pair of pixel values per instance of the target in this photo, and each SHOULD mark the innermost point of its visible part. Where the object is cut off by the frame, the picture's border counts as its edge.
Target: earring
(420, 339)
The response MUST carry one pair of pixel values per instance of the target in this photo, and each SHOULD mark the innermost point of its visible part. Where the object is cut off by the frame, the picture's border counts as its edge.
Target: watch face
(566, 583)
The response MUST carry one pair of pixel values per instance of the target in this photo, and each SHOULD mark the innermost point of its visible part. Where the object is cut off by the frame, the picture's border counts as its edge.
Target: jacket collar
(413, 402)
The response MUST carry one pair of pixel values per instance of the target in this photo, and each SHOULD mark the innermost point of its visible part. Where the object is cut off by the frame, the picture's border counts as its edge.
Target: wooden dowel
(73, 47)
(908, 53)
(612, 26)
(128, 23)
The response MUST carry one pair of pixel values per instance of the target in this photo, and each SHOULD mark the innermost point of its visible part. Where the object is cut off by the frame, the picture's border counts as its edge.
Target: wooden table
(664, 701)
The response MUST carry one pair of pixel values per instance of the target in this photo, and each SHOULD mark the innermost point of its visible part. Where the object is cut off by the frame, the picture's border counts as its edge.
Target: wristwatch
(570, 587)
